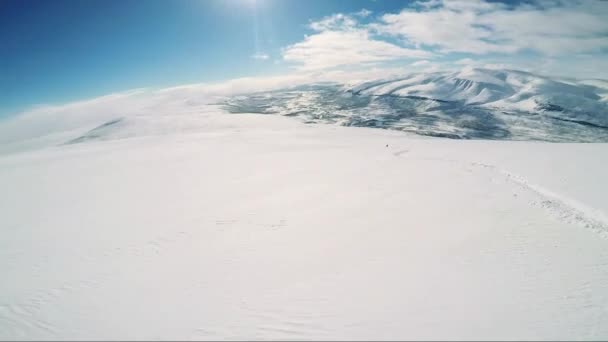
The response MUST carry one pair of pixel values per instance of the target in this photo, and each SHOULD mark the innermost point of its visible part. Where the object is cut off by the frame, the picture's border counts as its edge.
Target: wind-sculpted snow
(471, 104)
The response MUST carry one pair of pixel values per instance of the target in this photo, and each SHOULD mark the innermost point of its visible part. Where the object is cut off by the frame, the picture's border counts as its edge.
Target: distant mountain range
(469, 104)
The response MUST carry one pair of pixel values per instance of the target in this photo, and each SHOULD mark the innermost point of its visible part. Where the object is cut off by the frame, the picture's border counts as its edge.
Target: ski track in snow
(400, 152)
(561, 207)
(564, 208)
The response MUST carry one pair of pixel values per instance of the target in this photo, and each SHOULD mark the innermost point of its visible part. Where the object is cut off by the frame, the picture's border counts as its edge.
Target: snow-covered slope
(507, 89)
(166, 217)
(261, 227)
(471, 103)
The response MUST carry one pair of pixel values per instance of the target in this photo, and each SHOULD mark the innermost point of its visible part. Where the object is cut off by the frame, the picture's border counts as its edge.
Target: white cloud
(447, 29)
(428, 3)
(499, 63)
(480, 27)
(441, 27)
(341, 41)
(578, 66)
(421, 63)
(364, 13)
(337, 48)
(337, 21)
(260, 56)
(426, 66)
(471, 5)
(464, 61)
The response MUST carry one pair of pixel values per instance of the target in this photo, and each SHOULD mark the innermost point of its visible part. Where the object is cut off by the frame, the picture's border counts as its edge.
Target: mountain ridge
(473, 103)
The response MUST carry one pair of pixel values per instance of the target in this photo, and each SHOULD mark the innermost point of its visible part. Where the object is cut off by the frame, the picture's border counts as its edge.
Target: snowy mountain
(468, 104)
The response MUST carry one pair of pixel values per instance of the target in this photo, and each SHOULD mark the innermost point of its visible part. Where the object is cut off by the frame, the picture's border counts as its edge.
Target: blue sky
(61, 51)
(56, 51)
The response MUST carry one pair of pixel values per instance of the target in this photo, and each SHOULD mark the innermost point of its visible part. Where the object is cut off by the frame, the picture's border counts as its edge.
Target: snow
(506, 89)
(471, 104)
(483, 76)
(220, 226)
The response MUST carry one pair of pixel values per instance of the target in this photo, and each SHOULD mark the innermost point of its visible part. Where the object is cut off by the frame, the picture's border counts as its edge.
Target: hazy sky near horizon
(62, 51)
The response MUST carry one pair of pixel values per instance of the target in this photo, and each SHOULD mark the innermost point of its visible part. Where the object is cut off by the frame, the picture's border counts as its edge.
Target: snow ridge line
(564, 208)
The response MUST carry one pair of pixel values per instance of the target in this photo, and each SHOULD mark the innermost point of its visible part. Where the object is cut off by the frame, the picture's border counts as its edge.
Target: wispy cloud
(336, 22)
(260, 56)
(480, 27)
(364, 13)
(421, 63)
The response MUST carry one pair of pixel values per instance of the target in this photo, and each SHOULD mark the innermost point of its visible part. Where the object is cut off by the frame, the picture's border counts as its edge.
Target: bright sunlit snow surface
(187, 222)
